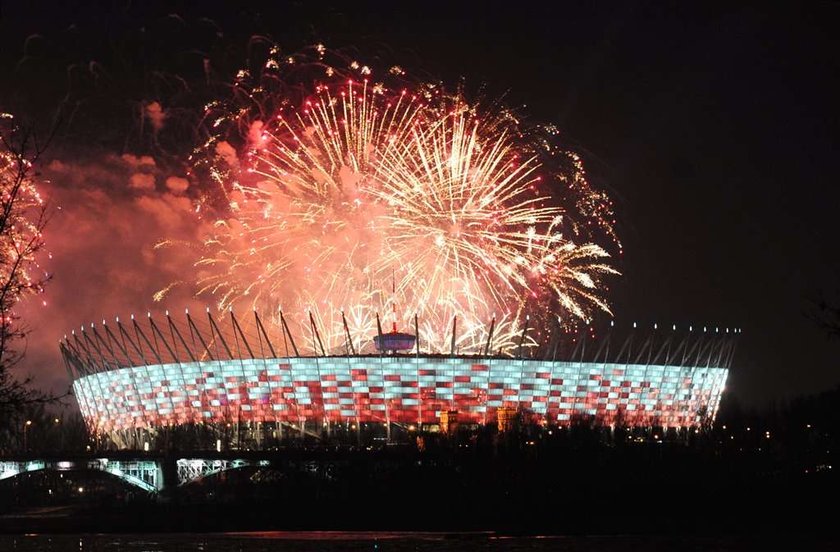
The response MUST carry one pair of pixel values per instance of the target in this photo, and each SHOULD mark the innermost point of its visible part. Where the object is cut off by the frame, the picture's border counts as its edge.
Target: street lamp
(60, 430)
(25, 427)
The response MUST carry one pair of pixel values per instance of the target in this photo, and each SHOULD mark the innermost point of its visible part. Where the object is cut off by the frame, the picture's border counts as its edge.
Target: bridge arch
(191, 470)
(143, 474)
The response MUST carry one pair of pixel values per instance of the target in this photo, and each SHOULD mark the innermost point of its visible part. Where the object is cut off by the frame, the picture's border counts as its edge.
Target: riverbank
(542, 484)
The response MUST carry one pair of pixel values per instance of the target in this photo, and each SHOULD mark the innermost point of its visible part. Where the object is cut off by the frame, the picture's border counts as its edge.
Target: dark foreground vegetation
(748, 473)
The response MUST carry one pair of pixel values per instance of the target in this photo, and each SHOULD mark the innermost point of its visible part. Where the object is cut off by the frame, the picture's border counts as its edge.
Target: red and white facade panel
(398, 389)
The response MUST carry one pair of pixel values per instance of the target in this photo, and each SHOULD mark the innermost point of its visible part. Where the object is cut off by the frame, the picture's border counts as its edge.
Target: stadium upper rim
(106, 347)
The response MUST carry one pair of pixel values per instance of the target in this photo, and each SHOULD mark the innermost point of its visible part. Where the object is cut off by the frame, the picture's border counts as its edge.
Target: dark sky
(714, 127)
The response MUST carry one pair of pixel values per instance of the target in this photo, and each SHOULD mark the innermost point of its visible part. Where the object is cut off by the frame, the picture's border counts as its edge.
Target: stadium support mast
(454, 331)
(522, 337)
(489, 344)
(286, 333)
(316, 335)
(349, 348)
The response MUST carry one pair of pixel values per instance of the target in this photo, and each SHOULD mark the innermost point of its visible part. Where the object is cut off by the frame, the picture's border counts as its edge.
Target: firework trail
(384, 196)
(23, 214)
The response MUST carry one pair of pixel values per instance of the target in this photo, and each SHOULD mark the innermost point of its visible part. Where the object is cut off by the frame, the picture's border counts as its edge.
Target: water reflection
(291, 541)
(295, 541)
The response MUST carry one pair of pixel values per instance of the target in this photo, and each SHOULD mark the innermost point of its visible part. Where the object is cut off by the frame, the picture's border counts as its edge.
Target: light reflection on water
(287, 541)
(329, 541)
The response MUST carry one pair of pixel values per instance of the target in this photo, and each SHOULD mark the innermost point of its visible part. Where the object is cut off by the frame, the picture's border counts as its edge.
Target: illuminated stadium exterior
(132, 380)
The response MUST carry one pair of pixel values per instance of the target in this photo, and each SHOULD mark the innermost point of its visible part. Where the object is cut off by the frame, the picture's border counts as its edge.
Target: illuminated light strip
(329, 391)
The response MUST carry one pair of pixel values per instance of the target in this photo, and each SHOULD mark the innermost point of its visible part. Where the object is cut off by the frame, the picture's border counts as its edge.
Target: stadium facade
(129, 379)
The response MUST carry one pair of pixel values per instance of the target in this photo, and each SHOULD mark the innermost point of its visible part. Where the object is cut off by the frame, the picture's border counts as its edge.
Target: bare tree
(23, 215)
(827, 314)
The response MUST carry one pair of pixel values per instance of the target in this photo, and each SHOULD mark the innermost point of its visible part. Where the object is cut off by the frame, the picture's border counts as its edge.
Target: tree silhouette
(23, 215)
(827, 314)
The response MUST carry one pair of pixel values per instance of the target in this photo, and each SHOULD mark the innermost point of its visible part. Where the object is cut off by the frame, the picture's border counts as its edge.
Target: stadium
(225, 382)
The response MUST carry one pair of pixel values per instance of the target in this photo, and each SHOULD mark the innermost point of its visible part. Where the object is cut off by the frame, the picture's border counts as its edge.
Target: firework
(21, 224)
(370, 197)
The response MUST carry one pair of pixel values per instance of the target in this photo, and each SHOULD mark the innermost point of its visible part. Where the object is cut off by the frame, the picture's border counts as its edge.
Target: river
(399, 542)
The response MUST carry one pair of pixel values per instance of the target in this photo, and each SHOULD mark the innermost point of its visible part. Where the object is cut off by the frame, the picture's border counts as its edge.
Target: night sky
(713, 127)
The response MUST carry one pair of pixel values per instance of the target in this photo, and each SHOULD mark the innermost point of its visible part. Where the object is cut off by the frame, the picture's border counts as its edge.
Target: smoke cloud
(109, 212)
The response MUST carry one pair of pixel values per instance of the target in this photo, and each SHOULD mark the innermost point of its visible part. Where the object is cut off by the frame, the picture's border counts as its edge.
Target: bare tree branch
(23, 216)
(826, 313)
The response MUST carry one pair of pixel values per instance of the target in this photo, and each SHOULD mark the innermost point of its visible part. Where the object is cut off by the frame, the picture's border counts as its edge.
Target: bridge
(146, 473)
